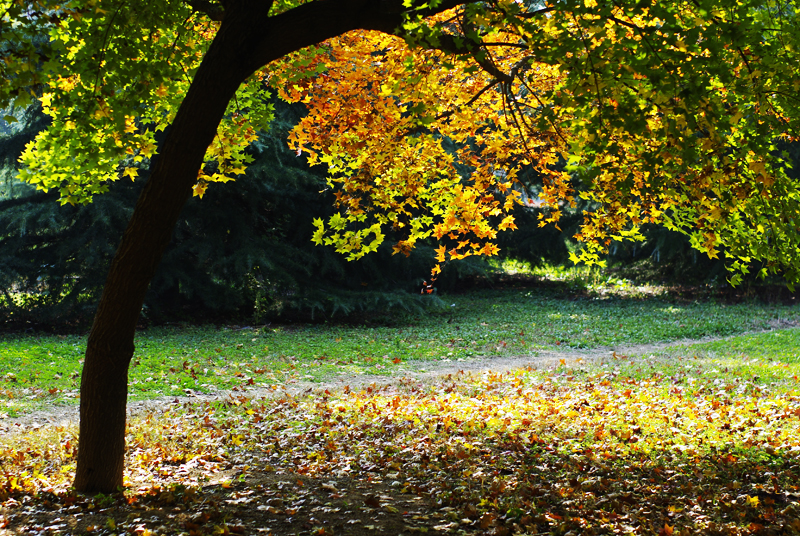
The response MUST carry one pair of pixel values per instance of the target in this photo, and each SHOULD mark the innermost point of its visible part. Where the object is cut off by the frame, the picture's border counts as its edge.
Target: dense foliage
(245, 253)
(671, 114)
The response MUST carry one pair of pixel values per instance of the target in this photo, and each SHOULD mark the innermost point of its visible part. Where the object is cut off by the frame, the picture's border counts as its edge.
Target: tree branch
(215, 11)
(448, 43)
(536, 13)
(317, 21)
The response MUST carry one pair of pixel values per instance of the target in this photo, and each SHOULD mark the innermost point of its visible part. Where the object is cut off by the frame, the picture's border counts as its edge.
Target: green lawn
(36, 370)
(753, 361)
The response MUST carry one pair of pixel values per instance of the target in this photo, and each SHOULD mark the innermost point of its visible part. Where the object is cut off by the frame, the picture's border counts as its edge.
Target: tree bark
(247, 40)
(110, 346)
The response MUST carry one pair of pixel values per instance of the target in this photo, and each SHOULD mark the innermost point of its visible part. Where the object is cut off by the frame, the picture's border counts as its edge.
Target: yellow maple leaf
(46, 99)
(131, 172)
(199, 189)
(507, 223)
(758, 167)
(148, 149)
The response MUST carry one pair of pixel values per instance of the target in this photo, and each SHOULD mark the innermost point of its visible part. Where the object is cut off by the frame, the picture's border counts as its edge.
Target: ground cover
(696, 439)
(37, 371)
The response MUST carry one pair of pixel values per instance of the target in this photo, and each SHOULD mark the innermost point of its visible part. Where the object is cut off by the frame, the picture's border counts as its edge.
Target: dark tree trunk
(247, 40)
(110, 347)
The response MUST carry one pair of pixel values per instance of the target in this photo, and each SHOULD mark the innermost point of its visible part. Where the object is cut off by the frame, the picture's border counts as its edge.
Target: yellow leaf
(507, 223)
(199, 189)
(130, 126)
(758, 167)
(148, 149)
(46, 99)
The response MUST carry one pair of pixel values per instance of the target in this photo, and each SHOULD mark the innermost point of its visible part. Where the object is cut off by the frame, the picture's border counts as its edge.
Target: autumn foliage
(415, 142)
(433, 141)
(664, 112)
(668, 114)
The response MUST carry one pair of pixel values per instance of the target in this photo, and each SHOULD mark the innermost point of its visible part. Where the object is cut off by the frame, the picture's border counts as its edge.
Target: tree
(667, 113)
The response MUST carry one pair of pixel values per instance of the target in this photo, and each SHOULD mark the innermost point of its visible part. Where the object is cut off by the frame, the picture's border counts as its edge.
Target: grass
(750, 362)
(38, 370)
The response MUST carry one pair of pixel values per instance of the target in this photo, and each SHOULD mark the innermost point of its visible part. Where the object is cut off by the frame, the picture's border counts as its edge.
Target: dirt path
(427, 371)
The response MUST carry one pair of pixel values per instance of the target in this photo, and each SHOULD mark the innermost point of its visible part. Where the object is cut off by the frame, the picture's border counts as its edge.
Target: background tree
(239, 254)
(669, 112)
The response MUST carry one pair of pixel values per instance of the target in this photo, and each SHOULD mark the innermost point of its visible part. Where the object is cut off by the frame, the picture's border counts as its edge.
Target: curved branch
(213, 10)
(448, 43)
(317, 21)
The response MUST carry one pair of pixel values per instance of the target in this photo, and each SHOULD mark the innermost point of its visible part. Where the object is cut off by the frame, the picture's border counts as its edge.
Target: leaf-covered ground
(700, 439)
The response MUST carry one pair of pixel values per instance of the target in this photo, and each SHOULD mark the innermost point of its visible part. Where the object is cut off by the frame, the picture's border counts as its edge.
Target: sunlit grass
(37, 370)
(770, 359)
(593, 281)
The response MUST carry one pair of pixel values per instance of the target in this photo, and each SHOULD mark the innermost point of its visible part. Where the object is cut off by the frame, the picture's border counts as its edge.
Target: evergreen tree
(241, 252)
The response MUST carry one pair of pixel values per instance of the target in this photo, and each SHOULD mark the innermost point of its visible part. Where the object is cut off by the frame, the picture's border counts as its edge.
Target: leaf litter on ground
(616, 447)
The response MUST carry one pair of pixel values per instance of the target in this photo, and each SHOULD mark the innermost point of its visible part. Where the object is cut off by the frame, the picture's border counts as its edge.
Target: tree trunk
(104, 381)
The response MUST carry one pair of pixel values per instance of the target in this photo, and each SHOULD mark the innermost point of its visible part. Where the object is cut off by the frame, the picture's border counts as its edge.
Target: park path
(428, 371)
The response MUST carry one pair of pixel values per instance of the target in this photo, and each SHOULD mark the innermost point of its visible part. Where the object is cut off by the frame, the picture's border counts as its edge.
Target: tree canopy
(671, 113)
(425, 113)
